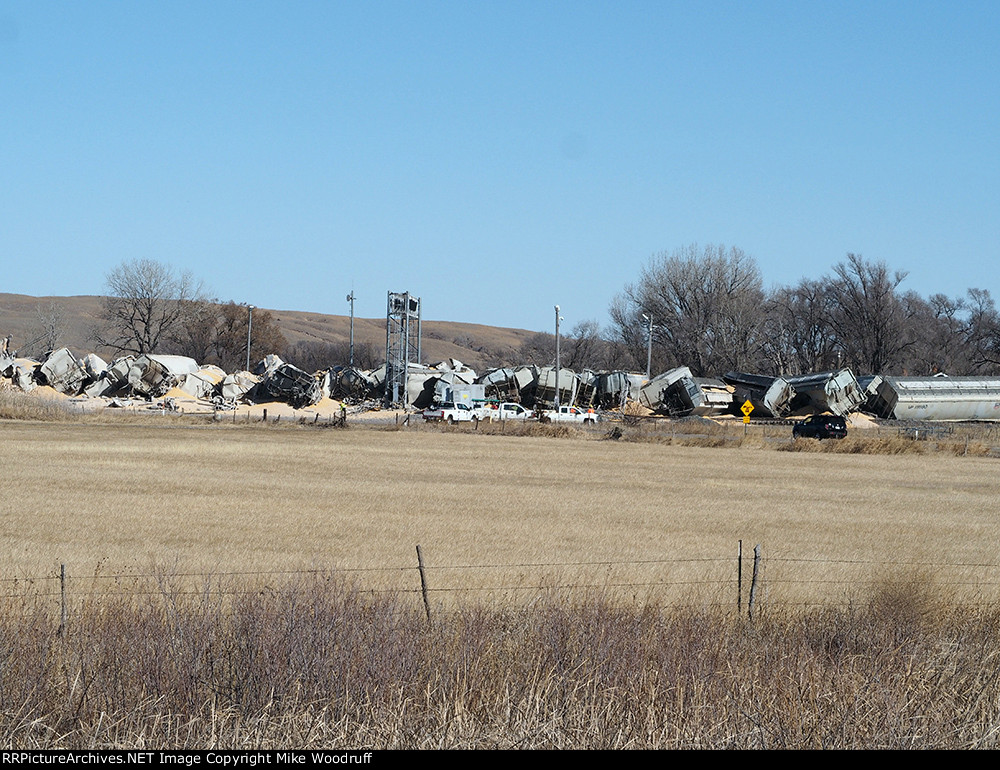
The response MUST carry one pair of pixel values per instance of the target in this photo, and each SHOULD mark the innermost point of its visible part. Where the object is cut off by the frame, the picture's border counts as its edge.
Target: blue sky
(494, 159)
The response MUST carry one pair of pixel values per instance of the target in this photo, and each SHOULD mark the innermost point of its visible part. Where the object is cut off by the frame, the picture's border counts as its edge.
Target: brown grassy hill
(23, 317)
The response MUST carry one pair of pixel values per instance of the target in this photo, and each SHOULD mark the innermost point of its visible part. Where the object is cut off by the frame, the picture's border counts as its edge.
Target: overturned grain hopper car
(769, 396)
(153, 375)
(679, 394)
(290, 384)
(838, 392)
(545, 386)
(934, 398)
(62, 371)
(615, 389)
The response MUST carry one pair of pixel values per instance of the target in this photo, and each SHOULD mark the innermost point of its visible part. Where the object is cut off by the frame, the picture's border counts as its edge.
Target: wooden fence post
(423, 584)
(753, 581)
(62, 602)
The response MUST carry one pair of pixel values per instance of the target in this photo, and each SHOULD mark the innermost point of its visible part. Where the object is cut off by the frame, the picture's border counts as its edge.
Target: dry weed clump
(876, 445)
(908, 606)
(700, 426)
(857, 444)
(708, 442)
(752, 442)
(964, 448)
(317, 663)
(530, 428)
(637, 435)
(686, 431)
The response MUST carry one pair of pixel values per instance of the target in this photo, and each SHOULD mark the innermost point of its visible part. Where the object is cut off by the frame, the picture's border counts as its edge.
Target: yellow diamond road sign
(746, 408)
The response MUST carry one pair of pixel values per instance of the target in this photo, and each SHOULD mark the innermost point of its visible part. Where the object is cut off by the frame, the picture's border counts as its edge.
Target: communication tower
(402, 344)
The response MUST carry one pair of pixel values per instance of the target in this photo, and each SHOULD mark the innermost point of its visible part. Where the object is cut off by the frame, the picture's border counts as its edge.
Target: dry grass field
(228, 588)
(496, 515)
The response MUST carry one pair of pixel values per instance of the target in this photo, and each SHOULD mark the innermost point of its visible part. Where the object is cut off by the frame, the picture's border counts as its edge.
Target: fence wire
(784, 580)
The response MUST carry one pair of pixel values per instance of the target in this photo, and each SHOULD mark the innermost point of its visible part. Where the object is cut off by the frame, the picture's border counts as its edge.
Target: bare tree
(983, 332)
(216, 333)
(798, 336)
(312, 355)
(539, 349)
(51, 326)
(627, 334)
(867, 314)
(616, 355)
(706, 306)
(938, 329)
(195, 335)
(583, 347)
(230, 338)
(145, 306)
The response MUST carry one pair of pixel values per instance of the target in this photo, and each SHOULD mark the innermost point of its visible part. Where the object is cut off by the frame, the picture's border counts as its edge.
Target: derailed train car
(769, 396)
(545, 387)
(934, 398)
(838, 392)
(679, 394)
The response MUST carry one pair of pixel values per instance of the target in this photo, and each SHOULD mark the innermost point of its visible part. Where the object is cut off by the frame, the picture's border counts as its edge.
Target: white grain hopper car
(935, 398)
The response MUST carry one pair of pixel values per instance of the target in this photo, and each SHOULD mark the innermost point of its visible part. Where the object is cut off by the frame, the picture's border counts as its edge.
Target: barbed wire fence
(742, 582)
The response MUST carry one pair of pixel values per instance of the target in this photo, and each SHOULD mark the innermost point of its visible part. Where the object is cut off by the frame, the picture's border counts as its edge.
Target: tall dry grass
(319, 663)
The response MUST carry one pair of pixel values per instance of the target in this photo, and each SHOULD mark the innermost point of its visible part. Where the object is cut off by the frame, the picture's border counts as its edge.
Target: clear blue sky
(498, 158)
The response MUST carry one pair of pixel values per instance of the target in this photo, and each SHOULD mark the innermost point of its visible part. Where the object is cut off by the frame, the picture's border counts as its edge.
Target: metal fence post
(739, 577)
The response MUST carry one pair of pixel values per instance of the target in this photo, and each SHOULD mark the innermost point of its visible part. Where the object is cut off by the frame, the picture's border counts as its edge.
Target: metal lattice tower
(402, 344)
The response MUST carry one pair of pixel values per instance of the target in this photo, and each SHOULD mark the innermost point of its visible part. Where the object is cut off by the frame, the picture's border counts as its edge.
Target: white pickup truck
(506, 410)
(450, 412)
(568, 414)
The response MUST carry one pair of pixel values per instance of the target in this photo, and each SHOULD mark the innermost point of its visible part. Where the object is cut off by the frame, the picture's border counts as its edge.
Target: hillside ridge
(474, 344)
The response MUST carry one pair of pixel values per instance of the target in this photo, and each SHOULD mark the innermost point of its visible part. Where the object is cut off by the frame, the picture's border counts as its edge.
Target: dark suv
(821, 426)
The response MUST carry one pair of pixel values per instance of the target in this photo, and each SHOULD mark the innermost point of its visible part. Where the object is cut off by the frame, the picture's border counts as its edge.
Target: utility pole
(350, 298)
(649, 344)
(250, 309)
(558, 319)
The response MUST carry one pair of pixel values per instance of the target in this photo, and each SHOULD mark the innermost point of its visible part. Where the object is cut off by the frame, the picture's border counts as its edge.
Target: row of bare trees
(711, 312)
(708, 308)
